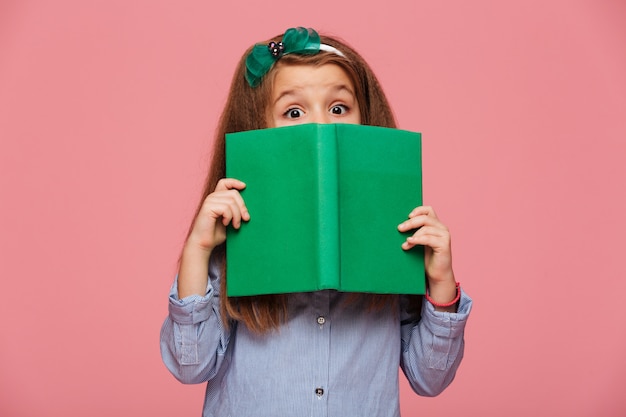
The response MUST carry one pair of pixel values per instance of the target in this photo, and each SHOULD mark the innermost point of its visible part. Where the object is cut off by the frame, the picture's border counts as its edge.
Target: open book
(325, 201)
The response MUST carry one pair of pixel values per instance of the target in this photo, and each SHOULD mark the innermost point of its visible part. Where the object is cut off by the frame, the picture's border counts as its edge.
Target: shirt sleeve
(432, 348)
(193, 338)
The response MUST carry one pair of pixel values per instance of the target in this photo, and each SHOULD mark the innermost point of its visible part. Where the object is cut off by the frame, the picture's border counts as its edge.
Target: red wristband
(451, 303)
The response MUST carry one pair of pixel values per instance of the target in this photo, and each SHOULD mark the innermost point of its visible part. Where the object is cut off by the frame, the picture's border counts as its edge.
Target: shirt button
(319, 392)
(321, 320)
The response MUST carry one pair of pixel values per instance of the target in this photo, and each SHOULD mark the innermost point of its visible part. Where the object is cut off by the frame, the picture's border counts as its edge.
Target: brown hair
(241, 112)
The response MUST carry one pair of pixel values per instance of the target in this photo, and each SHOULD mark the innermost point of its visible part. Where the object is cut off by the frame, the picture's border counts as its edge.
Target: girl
(306, 354)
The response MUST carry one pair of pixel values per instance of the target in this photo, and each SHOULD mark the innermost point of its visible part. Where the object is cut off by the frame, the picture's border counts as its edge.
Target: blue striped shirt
(332, 358)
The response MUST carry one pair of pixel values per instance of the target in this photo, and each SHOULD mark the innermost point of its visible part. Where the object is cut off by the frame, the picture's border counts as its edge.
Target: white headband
(331, 49)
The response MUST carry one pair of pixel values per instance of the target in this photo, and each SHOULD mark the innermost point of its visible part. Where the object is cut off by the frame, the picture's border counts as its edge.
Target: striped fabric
(333, 357)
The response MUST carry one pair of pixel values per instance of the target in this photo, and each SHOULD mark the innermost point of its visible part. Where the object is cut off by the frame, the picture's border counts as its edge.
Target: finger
(430, 231)
(434, 237)
(420, 221)
(229, 184)
(228, 205)
(436, 242)
(217, 208)
(234, 196)
(412, 242)
(231, 215)
(241, 205)
(425, 240)
(423, 210)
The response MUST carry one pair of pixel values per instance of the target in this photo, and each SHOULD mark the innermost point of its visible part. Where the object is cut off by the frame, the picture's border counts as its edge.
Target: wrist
(443, 287)
(194, 252)
(444, 299)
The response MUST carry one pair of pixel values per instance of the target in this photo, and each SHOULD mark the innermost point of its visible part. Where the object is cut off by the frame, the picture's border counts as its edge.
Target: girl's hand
(435, 237)
(222, 207)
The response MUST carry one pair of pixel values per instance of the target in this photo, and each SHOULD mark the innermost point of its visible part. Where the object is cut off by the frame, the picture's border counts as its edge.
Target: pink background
(107, 109)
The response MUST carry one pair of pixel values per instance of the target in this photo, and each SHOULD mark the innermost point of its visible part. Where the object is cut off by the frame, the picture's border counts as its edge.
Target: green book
(325, 201)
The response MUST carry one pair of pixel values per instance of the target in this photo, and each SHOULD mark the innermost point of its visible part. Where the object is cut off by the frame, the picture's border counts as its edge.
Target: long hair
(246, 109)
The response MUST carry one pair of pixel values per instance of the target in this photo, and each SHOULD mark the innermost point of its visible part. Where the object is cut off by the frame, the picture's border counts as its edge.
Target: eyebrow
(335, 88)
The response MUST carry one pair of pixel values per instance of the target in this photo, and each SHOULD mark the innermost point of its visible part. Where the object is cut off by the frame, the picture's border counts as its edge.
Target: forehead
(296, 77)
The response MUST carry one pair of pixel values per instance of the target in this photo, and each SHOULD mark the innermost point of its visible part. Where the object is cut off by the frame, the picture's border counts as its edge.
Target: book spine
(328, 210)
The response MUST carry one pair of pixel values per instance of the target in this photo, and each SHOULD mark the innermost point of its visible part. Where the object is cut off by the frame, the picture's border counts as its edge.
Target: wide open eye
(293, 113)
(339, 109)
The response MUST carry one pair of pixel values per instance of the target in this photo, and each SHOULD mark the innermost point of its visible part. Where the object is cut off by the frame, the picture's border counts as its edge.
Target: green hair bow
(295, 41)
